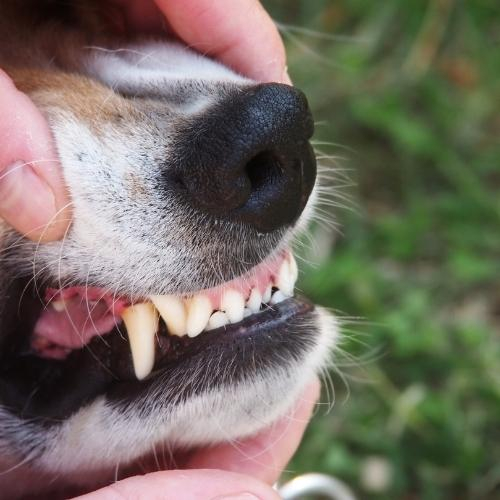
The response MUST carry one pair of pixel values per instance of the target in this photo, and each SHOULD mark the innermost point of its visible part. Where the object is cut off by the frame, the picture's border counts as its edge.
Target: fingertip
(285, 77)
(239, 33)
(210, 484)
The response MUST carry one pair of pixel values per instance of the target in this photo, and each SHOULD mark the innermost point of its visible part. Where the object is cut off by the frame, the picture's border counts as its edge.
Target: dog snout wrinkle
(248, 159)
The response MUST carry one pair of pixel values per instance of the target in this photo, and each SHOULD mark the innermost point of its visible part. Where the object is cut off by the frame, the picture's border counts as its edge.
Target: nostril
(264, 169)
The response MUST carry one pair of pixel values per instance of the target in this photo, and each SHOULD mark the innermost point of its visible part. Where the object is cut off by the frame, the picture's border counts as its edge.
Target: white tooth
(254, 301)
(199, 309)
(294, 270)
(266, 296)
(233, 304)
(58, 305)
(141, 321)
(217, 320)
(278, 297)
(247, 312)
(173, 312)
(284, 281)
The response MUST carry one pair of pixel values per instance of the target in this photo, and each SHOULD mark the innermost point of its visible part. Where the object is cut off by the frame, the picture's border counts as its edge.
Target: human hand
(33, 198)
(239, 33)
(231, 470)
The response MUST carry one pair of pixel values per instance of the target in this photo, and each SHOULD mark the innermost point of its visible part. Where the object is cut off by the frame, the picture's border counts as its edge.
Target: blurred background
(406, 96)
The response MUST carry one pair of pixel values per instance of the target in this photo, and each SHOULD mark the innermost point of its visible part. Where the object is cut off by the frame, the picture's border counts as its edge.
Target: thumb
(186, 485)
(33, 197)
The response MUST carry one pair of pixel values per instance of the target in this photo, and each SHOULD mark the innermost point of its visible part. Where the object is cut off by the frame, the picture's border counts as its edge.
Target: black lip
(52, 390)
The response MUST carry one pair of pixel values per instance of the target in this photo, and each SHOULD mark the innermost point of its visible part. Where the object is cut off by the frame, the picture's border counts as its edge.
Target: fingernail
(26, 200)
(285, 78)
(238, 496)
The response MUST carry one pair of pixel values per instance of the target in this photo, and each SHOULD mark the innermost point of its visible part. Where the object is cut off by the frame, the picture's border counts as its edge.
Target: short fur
(115, 108)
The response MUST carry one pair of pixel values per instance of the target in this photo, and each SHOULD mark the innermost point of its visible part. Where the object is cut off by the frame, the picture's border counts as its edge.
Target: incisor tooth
(284, 281)
(58, 305)
(217, 320)
(278, 296)
(173, 312)
(199, 309)
(141, 321)
(247, 312)
(266, 296)
(254, 301)
(233, 304)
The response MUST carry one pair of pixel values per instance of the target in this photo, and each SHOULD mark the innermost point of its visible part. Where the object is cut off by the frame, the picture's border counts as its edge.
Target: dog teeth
(173, 312)
(217, 320)
(141, 321)
(194, 315)
(285, 282)
(278, 296)
(199, 310)
(266, 296)
(233, 304)
(254, 301)
(58, 305)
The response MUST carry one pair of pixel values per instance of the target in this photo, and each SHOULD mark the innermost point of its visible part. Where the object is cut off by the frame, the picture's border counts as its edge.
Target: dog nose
(248, 158)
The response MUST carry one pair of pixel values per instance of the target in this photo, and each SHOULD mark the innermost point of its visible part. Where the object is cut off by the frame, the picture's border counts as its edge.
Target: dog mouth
(72, 317)
(85, 339)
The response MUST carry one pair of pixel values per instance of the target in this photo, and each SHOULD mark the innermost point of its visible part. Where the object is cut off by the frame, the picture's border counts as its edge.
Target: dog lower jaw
(59, 474)
(67, 457)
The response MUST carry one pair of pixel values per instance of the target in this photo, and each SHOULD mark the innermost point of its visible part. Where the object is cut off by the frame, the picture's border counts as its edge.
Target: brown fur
(91, 101)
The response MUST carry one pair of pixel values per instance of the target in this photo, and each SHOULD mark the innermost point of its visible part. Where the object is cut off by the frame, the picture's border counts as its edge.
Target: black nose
(248, 158)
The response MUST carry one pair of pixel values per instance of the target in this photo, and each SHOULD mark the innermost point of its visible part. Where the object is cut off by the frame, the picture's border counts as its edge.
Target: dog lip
(264, 340)
(171, 349)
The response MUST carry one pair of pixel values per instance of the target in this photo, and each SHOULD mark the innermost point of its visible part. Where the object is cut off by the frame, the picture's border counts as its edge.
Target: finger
(185, 485)
(238, 33)
(32, 193)
(141, 16)
(265, 455)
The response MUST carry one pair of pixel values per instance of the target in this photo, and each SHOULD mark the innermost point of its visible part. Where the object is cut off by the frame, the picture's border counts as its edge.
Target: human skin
(34, 200)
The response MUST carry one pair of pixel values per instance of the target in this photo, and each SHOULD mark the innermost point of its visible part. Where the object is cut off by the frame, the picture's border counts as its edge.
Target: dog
(166, 316)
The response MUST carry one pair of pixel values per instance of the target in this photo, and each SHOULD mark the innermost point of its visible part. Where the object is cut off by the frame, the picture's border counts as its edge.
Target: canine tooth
(199, 309)
(284, 281)
(254, 301)
(247, 312)
(141, 321)
(294, 270)
(233, 304)
(173, 312)
(217, 320)
(278, 296)
(58, 305)
(266, 296)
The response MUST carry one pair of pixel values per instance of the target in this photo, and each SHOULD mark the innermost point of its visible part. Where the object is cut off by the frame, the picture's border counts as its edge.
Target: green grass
(408, 93)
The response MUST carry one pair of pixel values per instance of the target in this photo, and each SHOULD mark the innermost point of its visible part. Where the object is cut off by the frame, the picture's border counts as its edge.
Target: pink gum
(259, 277)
